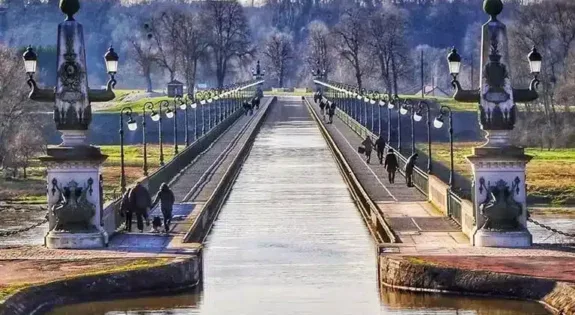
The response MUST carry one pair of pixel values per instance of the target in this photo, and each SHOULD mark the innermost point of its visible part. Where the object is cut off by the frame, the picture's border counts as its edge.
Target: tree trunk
(394, 68)
(24, 172)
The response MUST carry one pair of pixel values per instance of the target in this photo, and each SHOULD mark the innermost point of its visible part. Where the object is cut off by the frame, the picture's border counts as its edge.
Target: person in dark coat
(391, 165)
(368, 145)
(322, 105)
(409, 165)
(331, 112)
(248, 108)
(166, 199)
(380, 147)
(256, 103)
(317, 96)
(126, 210)
(140, 201)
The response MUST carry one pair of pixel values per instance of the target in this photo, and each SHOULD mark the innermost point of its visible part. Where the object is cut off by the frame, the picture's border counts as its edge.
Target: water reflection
(289, 240)
(392, 302)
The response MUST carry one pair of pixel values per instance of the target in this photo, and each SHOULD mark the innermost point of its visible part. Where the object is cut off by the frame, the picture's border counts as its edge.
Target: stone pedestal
(74, 202)
(500, 193)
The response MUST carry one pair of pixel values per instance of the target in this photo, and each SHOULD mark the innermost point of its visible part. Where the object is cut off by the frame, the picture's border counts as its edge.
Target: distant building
(175, 88)
(433, 91)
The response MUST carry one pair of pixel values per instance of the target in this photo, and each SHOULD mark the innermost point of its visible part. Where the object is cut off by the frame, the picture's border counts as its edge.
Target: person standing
(380, 147)
(322, 108)
(368, 145)
(409, 165)
(331, 112)
(166, 199)
(391, 165)
(126, 210)
(140, 201)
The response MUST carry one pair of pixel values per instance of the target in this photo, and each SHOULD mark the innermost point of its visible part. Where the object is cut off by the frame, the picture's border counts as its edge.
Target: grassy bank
(33, 188)
(550, 174)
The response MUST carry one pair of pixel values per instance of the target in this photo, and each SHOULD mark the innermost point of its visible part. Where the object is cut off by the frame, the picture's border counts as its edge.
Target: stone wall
(401, 273)
(180, 274)
(438, 193)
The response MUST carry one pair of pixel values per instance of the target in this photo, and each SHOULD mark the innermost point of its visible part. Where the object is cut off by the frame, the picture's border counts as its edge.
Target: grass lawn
(33, 189)
(138, 105)
(550, 174)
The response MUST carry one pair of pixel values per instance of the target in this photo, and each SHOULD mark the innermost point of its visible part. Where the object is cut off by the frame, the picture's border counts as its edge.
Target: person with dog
(166, 199)
(140, 202)
(126, 210)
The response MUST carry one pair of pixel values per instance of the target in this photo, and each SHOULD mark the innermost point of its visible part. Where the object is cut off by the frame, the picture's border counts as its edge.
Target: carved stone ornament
(497, 110)
(500, 209)
(71, 114)
(73, 211)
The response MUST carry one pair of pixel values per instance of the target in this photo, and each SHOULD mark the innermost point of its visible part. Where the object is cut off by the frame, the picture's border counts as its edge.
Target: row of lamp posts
(404, 107)
(170, 110)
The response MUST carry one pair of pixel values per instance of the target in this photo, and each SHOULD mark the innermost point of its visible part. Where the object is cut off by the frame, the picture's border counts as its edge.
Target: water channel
(290, 241)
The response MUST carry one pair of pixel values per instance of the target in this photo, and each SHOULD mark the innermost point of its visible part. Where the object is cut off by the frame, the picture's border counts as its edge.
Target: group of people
(249, 107)
(327, 108)
(137, 201)
(390, 163)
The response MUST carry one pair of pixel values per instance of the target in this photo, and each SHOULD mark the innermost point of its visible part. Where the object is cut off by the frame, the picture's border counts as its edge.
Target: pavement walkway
(429, 236)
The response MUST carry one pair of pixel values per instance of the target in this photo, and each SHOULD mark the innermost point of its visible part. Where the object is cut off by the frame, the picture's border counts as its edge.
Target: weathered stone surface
(417, 275)
(180, 274)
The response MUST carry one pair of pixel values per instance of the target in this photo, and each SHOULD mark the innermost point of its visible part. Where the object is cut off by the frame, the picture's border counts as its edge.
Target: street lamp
(381, 103)
(150, 106)
(194, 106)
(184, 106)
(417, 117)
(397, 102)
(174, 114)
(404, 109)
(438, 123)
(132, 126)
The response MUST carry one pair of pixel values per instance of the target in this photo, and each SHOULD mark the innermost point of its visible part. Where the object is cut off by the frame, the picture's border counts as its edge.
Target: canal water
(289, 240)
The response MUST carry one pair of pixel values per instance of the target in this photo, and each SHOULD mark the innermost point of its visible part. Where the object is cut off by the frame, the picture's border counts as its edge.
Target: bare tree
(191, 42)
(319, 48)
(14, 103)
(26, 143)
(230, 39)
(164, 28)
(279, 53)
(351, 36)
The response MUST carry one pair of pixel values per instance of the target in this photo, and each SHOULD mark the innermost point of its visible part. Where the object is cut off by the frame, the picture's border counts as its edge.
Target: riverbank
(549, 280)
(45, 279)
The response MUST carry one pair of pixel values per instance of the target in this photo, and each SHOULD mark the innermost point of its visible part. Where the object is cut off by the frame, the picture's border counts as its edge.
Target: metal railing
(111, 218)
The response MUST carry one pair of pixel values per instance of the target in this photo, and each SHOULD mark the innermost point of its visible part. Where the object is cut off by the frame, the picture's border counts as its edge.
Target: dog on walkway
(156, 224)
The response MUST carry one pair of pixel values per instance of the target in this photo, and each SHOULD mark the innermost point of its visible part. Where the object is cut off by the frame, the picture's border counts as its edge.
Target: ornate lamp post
(498, 166)
(438, 123)
(184, 106)
(417, 117)
(174, 114)
(74, 165)
(404, 110)
(132, 126)
(397, 102)
(390, 106)
(149, 106)
(194, 106)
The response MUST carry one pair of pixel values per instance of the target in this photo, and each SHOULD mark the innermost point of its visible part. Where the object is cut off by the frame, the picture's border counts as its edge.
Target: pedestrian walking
(322, 105)
(368, 145)
(140, 201)
(126, 210)
(409, 165)
(166, 199)
(391, 165)
(380, 147)
(317, 96)
(331, 112)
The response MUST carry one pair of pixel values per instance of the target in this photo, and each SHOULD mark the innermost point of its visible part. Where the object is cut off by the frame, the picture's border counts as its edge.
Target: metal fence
(111, 218)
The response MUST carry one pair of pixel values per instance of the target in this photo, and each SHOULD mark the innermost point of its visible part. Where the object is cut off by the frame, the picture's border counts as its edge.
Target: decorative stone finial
(493, 7)
(70, 7)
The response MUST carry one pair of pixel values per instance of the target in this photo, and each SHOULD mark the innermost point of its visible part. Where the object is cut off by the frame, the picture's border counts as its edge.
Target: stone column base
(485, 238)
(81, 240)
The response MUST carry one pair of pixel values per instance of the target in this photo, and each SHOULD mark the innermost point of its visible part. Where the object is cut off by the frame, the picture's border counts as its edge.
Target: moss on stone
(137, 264)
